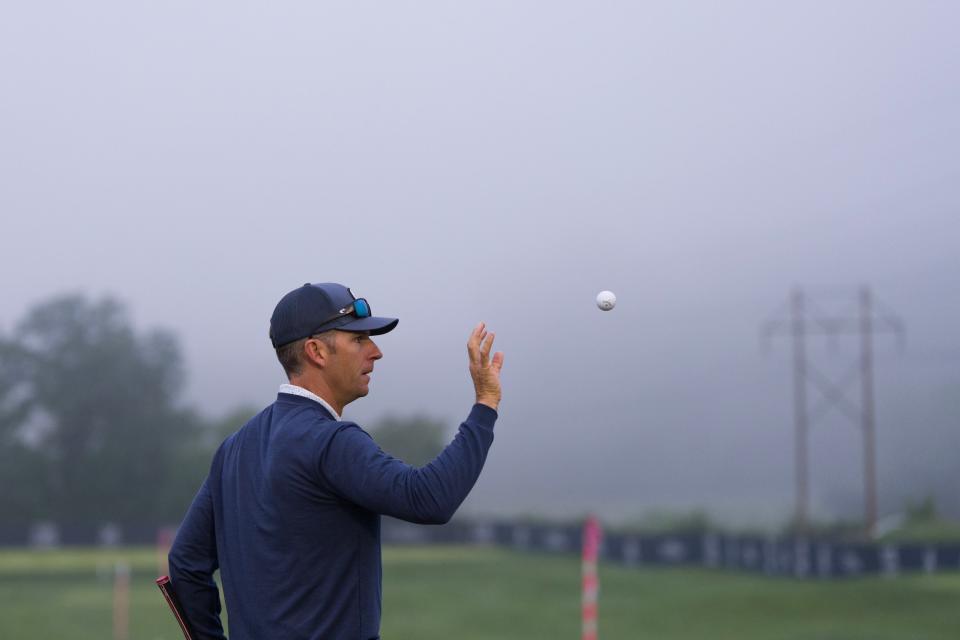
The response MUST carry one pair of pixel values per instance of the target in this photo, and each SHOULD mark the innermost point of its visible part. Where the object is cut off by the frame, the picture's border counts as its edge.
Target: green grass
(463, 593)
(939, 531)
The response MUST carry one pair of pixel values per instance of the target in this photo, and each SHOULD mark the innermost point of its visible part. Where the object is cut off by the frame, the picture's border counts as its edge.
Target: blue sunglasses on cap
(359, 308)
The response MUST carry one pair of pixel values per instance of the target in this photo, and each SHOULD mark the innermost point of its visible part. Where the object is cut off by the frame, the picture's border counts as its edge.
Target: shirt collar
(294, 390)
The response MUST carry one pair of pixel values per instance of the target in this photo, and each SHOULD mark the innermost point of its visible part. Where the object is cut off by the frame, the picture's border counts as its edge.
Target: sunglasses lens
(361, 308)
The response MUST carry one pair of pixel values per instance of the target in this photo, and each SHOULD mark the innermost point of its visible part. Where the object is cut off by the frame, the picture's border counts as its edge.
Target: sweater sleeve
(359, 471)
(193, 560)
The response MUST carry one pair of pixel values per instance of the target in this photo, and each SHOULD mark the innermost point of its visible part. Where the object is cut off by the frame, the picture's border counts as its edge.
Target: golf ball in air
(606, 300)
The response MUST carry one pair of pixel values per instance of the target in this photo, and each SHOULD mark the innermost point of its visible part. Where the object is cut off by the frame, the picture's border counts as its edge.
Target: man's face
(348, 370)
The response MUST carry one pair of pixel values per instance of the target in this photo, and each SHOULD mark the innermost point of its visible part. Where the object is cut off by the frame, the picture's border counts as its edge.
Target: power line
(807, 318)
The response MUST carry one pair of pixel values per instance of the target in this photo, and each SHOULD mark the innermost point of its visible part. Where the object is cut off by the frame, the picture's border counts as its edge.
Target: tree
(416, 439)
(21, 469)
(229, 423)
(90, 406)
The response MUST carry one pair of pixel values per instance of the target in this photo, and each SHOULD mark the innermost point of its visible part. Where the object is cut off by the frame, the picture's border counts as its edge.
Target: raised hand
(484, 371)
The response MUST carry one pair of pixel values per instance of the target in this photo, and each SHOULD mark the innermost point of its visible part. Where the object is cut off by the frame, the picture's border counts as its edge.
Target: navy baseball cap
(314, 308)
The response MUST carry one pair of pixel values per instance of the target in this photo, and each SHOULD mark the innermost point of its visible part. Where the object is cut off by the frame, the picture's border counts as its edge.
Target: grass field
(466, 593)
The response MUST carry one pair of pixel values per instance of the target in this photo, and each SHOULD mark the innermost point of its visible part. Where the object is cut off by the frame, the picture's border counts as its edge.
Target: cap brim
(376, 326)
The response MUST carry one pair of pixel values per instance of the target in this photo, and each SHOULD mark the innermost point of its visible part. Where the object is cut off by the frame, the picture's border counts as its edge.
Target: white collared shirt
(294, 390)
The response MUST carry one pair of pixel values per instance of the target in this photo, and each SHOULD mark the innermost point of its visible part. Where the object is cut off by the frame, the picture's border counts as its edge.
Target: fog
(504, 162)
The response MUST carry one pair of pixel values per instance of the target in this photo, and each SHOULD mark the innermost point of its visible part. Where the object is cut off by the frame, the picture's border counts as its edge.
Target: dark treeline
(93, 428)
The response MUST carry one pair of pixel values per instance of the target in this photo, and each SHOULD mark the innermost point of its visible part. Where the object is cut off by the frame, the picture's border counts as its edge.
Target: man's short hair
(291, 355)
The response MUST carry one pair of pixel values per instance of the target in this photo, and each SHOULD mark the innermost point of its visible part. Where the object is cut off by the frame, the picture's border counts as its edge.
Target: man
(290, 511)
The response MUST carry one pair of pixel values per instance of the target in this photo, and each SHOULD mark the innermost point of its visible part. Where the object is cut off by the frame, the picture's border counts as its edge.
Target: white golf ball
(606, 300)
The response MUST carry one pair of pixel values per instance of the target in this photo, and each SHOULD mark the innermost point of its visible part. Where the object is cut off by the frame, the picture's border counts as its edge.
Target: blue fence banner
(805, 558)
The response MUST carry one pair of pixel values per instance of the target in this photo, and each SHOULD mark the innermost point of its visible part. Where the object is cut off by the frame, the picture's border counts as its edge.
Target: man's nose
(377, 354)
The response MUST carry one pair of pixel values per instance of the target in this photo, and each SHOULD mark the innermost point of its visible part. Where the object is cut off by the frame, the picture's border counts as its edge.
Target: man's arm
(357, 469)
(193, 559)
(361, 472)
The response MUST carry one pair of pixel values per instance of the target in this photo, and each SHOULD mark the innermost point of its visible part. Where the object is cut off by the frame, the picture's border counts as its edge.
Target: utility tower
(801, 319)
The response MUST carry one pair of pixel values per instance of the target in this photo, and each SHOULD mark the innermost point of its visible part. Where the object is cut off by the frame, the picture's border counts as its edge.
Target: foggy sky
(500, 161)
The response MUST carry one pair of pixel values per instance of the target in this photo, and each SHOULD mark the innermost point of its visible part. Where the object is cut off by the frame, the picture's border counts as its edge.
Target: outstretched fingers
(486, 345)
(475, 345)
(497, 363)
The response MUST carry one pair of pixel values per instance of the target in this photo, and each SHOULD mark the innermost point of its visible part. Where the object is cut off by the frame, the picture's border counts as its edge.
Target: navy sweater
(290, 514)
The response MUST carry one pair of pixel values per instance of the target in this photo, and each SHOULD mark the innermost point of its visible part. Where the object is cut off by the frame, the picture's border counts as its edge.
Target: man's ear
(315, 351)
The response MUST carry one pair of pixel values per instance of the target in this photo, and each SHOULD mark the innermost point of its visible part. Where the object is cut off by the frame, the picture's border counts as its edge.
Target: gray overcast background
(505, 161)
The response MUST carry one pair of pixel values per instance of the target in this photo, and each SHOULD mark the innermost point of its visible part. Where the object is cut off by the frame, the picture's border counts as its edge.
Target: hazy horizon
(504, 162)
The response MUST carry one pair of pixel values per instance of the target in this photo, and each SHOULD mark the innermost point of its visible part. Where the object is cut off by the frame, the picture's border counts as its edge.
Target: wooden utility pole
(867, 410)
(800, 412)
